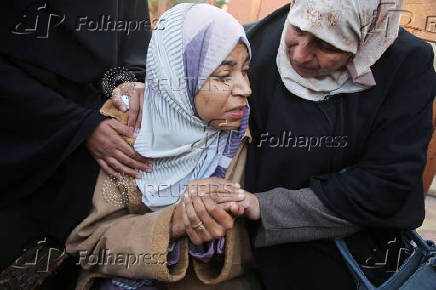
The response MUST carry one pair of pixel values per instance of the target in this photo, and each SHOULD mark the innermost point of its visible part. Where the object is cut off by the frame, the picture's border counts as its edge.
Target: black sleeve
(134, 43)
(384, 189)
(40, 128)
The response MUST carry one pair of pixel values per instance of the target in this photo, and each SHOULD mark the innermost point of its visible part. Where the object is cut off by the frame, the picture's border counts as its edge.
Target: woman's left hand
(204, 219)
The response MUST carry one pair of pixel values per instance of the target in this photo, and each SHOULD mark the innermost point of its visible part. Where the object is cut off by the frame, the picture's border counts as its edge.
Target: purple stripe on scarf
(193, 58)
(206, 251)
(234, 139)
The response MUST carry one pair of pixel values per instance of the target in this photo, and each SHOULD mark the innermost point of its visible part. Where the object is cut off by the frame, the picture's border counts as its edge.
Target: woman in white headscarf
(341, 117)
(143, 233)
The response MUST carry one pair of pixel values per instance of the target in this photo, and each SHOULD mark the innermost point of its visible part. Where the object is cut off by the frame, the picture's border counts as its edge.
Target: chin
(305, 74)
(227, 124)
(230, 126)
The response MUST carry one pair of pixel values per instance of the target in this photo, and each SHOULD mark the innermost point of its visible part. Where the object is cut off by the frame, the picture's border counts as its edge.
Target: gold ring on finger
(201, 228)
(198, 225)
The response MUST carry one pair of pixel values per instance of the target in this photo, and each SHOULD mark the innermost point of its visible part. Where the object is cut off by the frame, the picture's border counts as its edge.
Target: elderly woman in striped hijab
(341, 117)
(149, 233)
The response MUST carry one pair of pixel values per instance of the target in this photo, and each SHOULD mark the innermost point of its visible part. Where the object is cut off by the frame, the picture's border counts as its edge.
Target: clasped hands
(208, 208)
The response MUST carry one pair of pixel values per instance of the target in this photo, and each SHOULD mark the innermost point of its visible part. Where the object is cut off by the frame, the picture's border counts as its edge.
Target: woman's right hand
(135, 91)
(112, 153)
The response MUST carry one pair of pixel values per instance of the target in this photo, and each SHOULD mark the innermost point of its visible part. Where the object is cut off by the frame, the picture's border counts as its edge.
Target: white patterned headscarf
(366, 28)
(196, 39)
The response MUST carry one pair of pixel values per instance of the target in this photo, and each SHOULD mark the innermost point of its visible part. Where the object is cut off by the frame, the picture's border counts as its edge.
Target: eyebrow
(231, 62)
(228, 62)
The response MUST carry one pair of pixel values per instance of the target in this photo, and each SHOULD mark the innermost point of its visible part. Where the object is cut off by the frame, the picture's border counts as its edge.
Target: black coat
(50, 97)
(362, 154)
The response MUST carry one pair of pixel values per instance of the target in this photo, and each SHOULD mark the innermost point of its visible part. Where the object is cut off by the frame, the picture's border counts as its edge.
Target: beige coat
(120, 238)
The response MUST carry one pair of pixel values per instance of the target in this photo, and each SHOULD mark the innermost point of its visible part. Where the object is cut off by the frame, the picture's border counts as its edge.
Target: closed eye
(222, 78)
(328, 47)
(298, 30)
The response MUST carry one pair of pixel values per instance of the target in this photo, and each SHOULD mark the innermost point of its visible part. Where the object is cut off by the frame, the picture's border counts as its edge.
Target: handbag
(417, 272)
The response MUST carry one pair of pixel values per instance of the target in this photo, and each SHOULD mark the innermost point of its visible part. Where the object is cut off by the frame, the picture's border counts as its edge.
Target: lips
(302, 68)
(237, 112)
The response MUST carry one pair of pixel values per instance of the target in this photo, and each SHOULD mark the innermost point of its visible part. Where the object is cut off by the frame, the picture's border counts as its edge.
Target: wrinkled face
(221, 100)
(310, 56)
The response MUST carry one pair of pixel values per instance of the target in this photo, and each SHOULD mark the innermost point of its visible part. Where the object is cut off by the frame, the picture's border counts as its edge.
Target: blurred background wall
(419, 16)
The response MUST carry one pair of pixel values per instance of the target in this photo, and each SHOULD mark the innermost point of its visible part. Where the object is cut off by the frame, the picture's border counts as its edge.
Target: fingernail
(135, 133)
(186, 196)
(240, 191)
(192, 191)
(138, 176)
(123, 108)
(237, 185)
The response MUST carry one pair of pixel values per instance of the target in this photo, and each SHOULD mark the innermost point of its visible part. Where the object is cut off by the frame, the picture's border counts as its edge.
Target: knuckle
(118, 168)
(202, 212)
(214, 209)
(116, 92)
(131, 154)
(191, 216)
(116, 154)
(218, 233)
(215, 196)
(228, 224)
(196, 242)
(215, 179)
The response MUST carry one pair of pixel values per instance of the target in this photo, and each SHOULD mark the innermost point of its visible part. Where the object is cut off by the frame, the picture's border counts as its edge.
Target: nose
(303, 53)
(241, 86)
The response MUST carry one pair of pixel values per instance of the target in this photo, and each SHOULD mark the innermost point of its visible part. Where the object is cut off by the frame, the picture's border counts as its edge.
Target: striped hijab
(196, 39)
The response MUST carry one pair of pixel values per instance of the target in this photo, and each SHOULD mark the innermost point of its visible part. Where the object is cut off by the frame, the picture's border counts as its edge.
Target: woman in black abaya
(52, 59)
